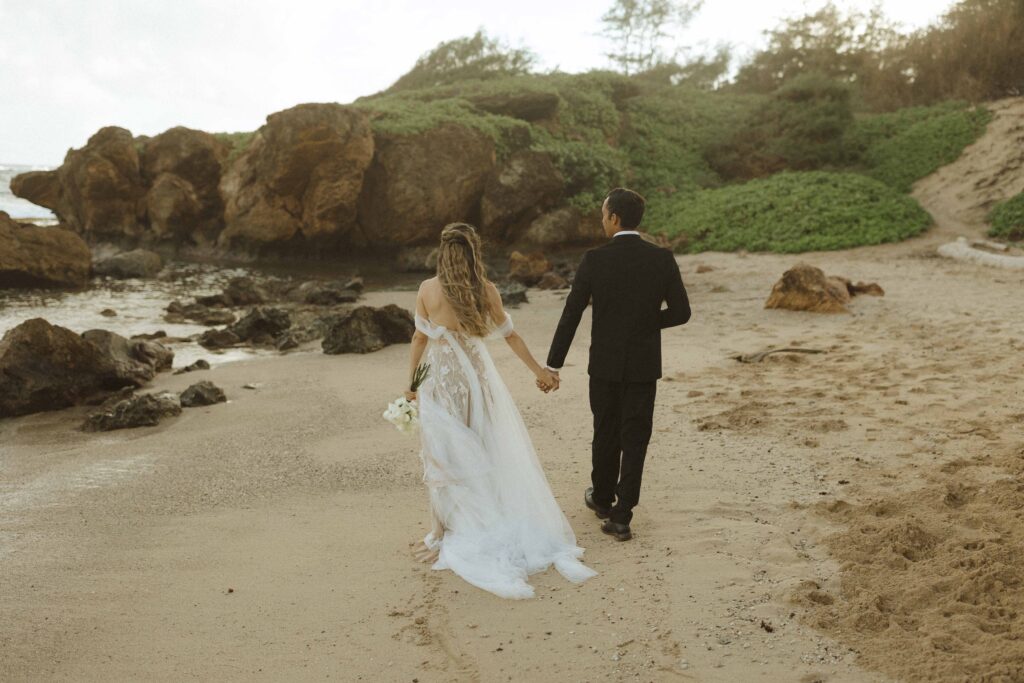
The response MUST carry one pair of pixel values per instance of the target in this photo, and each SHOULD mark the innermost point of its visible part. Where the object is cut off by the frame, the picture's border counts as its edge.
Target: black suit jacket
(627, 280)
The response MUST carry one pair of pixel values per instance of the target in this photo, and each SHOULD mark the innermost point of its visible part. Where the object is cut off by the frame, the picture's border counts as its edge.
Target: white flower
(403, 414)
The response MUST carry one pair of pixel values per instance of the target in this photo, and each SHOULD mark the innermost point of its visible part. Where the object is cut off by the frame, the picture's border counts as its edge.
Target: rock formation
(33, 256)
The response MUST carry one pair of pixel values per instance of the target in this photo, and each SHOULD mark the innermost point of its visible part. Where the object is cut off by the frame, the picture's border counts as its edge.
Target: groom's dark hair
(627, 205)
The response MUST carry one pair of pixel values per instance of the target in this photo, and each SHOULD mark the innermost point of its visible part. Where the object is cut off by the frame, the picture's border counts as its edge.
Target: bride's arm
(416, 346)
(545, 378)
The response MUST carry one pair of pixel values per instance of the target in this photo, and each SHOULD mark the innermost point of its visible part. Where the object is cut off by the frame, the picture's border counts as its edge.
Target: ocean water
(17, 207)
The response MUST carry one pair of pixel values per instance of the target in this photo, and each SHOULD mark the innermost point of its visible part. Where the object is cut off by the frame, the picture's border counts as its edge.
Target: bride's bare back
(435, 306)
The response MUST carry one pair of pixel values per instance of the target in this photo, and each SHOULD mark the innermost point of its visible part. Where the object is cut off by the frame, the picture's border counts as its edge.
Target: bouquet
(403, 413)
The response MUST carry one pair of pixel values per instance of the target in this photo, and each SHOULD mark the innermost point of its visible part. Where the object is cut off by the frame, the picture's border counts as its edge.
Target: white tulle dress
(501, 521)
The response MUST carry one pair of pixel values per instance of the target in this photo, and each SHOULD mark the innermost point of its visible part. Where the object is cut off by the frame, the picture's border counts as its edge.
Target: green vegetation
(789, 212)
(1007, 218)
(901, 147)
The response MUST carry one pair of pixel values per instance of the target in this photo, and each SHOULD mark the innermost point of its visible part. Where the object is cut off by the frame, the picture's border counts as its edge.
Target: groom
(626, 280)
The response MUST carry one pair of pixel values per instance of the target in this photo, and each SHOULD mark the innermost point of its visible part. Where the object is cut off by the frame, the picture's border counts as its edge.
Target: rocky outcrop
(300, 176)
(517, 193)
(368, 329)
(315, 177)
(145, 410)
(47, 367)
(101, 187)
(33, 256)
(416, 259)
(137, 263)
(182, 169)
(419, 182)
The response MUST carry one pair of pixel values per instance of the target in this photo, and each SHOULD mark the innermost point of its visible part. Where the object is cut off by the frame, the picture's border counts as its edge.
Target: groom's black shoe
(588, 498)
(621, 532)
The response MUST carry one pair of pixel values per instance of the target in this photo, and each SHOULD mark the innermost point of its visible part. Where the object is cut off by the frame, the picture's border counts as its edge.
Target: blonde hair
(463, 277)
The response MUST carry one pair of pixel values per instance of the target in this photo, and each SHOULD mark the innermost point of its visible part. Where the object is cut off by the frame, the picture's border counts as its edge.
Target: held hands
(547, 380)
(410, 395)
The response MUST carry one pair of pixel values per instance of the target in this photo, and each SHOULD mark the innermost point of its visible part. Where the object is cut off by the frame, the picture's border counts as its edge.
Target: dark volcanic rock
(145, 410)
(203, 393)
(367, 329)
(326, 293)
(33, 256)
(135, 361)
(46, 367)
(262, 324)
(218, 339)
(198, 365)
(512, 294)
(140, 263)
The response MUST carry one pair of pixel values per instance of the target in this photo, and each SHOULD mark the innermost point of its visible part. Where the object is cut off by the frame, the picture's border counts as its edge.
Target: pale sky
(69, 67)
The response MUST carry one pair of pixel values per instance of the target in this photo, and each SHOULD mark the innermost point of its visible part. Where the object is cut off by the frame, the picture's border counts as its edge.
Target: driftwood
(961, 250)
(761, 355)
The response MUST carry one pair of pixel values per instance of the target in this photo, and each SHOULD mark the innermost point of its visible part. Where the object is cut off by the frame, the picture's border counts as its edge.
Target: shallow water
(140, 306)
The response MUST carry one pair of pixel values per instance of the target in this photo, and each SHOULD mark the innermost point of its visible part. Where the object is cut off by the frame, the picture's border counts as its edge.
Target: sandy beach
(268, 538)
(852, 515)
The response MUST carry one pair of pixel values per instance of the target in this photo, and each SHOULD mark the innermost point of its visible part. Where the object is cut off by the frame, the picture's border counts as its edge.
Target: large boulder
(97, 191)
(47, 367)
(419, 182)
(564, 225)
(517, 193)
(300, 176)
(806, 288)
(145, 410)
(528, 269)
(137, 263)
(182, 168)
(368, 329)
(33, 256)
(134, 361)
(261, 325)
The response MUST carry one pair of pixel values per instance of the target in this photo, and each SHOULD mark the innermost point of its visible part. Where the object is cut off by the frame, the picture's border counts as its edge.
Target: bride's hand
(547, 381)
(410, 395)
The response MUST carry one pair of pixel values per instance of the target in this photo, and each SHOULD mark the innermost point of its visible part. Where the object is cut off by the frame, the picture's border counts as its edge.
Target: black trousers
(623, 419)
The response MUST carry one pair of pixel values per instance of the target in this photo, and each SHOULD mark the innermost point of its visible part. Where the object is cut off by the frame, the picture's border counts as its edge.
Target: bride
(495, 520)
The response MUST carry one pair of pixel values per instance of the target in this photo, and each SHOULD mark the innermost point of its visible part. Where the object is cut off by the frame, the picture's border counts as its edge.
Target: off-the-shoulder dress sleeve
(506, 328)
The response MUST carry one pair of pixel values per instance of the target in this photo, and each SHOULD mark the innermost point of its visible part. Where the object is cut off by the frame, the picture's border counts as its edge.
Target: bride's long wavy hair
(463, 277)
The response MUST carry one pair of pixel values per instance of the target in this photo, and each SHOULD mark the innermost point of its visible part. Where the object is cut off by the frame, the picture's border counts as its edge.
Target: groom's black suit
(627, 280)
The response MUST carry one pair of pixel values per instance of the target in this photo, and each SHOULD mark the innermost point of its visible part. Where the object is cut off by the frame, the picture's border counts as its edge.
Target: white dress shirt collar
(626, 232)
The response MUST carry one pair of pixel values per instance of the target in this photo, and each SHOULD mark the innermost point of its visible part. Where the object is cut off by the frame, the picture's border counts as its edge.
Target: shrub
(912, 144)
(789, 212)
(800, 127)
(1007, 218)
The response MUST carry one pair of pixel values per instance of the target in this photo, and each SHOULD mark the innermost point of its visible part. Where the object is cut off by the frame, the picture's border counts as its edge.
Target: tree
(639, 29)
(865, 49)
(474, 57)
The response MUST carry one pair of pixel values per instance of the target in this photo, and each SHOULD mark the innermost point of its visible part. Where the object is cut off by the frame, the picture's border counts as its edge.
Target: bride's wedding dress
(486, 486)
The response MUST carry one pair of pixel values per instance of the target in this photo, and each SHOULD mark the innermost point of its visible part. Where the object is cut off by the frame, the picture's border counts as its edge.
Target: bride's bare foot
(422, 553)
